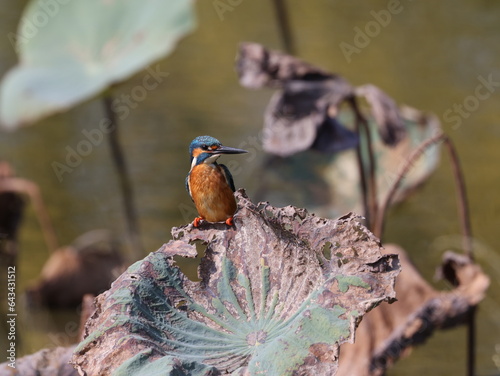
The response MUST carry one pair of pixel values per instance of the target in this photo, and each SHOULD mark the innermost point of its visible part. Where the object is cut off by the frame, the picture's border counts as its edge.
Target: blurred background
(431, 55)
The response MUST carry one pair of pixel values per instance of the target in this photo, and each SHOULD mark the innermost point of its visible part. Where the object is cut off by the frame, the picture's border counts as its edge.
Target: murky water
(431, 55)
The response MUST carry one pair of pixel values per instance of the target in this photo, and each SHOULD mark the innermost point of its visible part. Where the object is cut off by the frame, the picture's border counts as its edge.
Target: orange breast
(211, 194)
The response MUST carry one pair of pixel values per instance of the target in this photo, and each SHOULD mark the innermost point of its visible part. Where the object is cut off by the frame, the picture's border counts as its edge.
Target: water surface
(430, 55)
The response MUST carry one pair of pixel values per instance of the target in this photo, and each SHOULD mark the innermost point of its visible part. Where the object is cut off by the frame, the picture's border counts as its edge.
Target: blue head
(206, 149)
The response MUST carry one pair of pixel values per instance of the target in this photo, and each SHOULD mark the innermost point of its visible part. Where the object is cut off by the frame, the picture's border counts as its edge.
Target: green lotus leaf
(72, 50)
(269, 302)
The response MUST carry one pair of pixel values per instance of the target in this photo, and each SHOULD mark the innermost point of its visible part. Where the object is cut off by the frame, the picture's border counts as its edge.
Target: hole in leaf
(182, 305)
(268, 213)
(342, 261)
(262, 206)
(327, 250)
(189, 266)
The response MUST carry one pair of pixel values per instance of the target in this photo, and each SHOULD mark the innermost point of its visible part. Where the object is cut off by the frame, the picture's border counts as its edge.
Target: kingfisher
(210, 184)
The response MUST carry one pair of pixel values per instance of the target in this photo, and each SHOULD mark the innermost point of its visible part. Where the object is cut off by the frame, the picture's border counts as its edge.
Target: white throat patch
(209, 160)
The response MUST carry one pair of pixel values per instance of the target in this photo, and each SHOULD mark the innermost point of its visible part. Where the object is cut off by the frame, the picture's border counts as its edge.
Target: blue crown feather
(200, 141)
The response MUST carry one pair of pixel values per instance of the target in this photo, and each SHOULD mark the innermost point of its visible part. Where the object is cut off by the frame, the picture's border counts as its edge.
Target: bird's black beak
(228, 150)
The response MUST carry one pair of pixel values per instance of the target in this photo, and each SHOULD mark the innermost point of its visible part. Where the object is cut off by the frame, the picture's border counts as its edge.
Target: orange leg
(229, 221)
(196, 222)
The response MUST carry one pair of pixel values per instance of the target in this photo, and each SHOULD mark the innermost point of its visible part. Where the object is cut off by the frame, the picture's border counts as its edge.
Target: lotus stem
(464, 216)
(281, 12)
(124, 179)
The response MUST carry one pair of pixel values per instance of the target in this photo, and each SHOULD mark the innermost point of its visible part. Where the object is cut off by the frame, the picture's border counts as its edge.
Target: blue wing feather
(228, 177)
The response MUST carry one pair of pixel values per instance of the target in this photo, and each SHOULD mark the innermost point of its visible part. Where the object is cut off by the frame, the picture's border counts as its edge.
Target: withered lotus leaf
(278, 293)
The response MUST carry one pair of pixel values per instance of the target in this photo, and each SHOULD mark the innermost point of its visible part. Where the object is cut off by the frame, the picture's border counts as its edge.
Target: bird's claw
(196, 222)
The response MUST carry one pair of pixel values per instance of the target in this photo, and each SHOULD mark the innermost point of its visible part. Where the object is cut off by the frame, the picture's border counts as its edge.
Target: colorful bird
(210, 184)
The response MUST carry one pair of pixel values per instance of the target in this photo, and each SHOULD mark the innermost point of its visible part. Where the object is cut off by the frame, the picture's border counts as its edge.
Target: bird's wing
(228, 176)
(187, 186)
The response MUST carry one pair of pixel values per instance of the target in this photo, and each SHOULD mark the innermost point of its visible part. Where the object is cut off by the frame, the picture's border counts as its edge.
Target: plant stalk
(464, 216)
(362, 178)
(367, 173)
(124, 179)
(282, 17)
(463, 205)
(372, 182)
(380, 222)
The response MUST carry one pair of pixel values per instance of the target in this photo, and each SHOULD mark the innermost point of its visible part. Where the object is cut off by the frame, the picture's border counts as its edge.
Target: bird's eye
(204, 147)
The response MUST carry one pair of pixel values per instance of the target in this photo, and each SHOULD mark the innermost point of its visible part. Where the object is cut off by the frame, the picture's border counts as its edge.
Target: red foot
(196, 222)
(229, 221)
